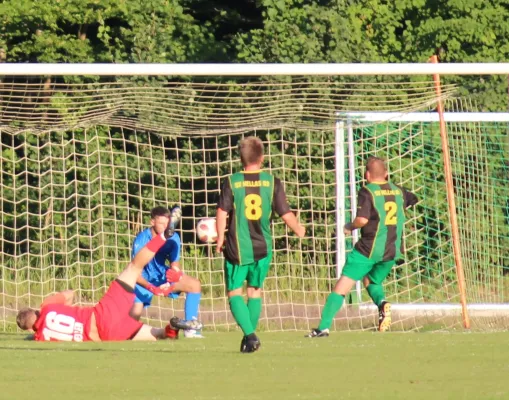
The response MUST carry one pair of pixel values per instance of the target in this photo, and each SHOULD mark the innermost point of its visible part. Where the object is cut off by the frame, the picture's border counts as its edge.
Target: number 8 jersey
(383, 204)
(250, 198)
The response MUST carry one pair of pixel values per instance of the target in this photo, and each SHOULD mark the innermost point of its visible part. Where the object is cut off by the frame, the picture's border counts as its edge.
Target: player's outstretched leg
(133, 270)
(333, 304)
(384, 316)
(149, 333)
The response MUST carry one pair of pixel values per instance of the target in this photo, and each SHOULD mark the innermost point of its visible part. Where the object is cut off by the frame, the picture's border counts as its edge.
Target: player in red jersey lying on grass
(109, 320)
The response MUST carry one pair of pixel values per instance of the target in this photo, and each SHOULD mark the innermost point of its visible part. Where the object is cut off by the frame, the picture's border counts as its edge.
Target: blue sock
(191, 306)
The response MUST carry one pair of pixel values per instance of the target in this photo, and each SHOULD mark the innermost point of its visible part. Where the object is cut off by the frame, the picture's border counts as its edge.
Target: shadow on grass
(128, 348)
(82, 350)
(47, 349)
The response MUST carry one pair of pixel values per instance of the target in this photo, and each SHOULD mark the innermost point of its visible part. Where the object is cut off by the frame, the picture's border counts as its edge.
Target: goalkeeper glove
(155, 290)
(166, 290)
(173, 276)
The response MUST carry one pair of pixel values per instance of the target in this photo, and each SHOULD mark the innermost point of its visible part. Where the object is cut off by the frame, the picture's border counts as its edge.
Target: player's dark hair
(376, 167)
(251, 150)
(24, 318)
(160, 211)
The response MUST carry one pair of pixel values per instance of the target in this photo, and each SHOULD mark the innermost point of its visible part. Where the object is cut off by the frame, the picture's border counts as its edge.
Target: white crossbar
(30, 69)
(425, 116)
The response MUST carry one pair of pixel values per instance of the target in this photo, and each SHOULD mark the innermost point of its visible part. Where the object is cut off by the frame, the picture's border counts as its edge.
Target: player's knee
(344, 285)
(234, 292)
(136, 311)
(196, 285)
(254, 292)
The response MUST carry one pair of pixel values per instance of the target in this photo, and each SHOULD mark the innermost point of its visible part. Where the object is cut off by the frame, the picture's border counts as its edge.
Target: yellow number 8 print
(391, 207)
(253, 203)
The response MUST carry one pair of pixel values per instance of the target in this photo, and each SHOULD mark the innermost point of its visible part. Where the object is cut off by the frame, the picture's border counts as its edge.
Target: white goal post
(474, 121)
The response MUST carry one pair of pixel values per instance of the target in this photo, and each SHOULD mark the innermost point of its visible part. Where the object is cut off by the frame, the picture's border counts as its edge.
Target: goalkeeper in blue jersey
(167, 280)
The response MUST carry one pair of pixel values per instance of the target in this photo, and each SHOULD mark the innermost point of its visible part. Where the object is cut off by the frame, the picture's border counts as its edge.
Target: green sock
(241, 314)
(332, 306)
(376, 293)
(254, 306)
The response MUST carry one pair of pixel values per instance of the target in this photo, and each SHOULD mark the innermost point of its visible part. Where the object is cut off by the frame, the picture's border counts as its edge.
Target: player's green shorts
(254, 273)
(357, 266)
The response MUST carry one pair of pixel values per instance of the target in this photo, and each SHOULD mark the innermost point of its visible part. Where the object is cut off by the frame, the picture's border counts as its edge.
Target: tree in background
(102, 31)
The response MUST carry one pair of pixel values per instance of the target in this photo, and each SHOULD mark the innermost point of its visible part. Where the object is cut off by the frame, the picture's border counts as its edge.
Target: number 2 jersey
(250, 198)
(383, 204)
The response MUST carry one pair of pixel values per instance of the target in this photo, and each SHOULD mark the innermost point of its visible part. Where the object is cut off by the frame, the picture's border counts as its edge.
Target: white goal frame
(347, 119)
(313, 69)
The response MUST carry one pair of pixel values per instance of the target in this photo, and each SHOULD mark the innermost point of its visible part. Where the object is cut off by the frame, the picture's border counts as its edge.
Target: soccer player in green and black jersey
(381, 218)
(249, 198)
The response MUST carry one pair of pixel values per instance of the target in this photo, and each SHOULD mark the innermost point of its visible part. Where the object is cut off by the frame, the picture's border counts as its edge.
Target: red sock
(155, 243)
(171, 333)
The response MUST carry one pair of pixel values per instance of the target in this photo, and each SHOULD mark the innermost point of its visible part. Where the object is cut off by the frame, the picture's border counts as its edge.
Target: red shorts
(112, 314)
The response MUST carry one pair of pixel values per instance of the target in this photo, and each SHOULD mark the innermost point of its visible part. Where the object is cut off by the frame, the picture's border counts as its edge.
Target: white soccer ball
(206, 230)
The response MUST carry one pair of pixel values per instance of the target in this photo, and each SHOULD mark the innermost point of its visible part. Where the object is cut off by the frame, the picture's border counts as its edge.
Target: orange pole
(451, 200)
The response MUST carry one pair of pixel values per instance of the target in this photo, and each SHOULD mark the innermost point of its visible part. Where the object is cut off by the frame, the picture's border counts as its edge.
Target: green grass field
(288, 366)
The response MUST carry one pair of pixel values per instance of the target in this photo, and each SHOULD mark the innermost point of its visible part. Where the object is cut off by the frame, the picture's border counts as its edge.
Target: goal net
(424, 286)
(84, 163)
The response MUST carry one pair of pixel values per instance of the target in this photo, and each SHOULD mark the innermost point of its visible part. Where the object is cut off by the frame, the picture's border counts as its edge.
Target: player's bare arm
(175, 265)
(221, 228)
(292, 223)
(66, 297)
(142, 282)
(357, 223)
